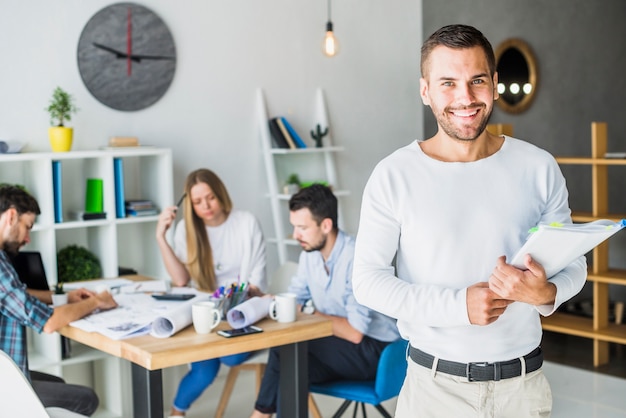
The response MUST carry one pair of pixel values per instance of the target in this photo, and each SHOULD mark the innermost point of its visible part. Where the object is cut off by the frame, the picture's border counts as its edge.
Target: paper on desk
(175, 319)
(100, 283)
(248, 312)
(146, 286)
(136, 315)
(557, 246)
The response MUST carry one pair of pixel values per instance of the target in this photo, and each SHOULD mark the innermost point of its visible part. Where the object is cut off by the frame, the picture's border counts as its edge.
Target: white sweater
(449, 222)
(238, 249)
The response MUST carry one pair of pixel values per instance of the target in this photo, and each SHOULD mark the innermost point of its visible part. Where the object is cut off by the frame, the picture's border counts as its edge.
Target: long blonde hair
(199, 252)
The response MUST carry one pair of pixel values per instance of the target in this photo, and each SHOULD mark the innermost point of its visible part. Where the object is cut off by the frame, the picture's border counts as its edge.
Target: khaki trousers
(427, 394)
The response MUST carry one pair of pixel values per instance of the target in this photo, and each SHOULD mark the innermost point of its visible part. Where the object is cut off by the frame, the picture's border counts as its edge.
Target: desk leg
(147, 392)
(294, 381)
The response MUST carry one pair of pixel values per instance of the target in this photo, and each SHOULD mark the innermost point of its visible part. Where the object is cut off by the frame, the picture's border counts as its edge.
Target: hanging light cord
(329, 10)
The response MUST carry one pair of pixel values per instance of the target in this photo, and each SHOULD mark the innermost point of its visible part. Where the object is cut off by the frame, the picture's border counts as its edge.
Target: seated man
(18, 307)
(323, 285)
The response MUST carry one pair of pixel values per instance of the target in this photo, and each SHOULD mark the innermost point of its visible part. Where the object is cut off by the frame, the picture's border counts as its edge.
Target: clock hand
(134, 57)
(129, 49)
(118, 54)
(139, 57)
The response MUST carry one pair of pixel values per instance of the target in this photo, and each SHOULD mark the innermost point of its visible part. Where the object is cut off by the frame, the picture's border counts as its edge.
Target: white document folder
(557, 246)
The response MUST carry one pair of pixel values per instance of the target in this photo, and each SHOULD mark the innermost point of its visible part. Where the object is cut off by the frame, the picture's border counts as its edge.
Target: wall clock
(126, 56)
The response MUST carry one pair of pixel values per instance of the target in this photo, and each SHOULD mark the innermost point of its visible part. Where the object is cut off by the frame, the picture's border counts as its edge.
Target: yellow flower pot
(60, 138)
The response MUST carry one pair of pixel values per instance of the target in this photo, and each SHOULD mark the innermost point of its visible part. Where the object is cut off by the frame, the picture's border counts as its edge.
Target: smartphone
(228, 333)
(173, 296)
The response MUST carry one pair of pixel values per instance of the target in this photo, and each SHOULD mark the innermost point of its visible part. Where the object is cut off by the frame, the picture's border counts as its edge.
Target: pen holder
(224, 304)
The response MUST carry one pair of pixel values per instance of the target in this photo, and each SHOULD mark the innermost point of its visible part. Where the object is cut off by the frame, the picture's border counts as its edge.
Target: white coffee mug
(283, 307)
(205, 316)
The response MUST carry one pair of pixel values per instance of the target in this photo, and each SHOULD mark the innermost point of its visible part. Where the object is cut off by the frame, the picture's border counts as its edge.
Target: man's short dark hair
(21, 200)
(318, 199)
(458, 37)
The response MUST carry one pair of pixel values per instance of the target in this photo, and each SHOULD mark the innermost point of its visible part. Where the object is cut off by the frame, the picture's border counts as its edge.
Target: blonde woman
(214, 245)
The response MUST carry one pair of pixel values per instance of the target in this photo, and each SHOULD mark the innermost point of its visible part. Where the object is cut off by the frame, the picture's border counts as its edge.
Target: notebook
(30, 269)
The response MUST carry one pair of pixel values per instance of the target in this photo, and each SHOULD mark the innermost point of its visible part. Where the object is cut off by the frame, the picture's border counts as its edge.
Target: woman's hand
(254, 291)
(166, 219)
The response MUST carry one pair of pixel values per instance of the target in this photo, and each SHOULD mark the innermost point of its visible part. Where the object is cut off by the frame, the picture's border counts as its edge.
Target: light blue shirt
(329, 285)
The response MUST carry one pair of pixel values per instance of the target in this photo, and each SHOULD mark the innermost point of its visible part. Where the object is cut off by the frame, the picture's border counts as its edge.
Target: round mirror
(517, 75)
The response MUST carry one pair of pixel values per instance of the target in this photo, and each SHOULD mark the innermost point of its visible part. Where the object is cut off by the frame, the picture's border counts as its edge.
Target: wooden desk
(149, 355)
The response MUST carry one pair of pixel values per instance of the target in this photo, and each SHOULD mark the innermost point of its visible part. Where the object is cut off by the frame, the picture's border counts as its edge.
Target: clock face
(126, 56)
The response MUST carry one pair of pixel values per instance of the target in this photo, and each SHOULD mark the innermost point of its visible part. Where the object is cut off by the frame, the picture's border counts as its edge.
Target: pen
(180, 201)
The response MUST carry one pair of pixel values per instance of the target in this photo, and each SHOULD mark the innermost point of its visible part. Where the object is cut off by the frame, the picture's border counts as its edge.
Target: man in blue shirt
(20, 307)
(323, 286)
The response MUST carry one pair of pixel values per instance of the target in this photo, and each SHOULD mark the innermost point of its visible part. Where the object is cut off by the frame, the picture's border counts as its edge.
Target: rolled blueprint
(248, 312)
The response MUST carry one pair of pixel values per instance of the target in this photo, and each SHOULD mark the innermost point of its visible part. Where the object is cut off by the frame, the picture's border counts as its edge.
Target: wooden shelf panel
(589, 217)
(568, 324)
(583, 327)
(617, 277)
(590, 161)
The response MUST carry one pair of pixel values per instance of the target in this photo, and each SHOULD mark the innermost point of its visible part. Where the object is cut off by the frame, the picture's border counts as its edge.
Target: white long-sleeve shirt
(238, 249)
(449, 222)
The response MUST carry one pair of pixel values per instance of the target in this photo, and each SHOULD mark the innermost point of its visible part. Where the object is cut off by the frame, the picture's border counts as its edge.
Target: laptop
(30, 269)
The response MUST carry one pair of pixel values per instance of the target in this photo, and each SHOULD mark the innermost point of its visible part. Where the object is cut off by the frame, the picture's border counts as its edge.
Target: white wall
(226, 49)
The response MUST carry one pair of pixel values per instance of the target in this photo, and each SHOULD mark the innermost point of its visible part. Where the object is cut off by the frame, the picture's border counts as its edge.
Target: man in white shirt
(452, 210)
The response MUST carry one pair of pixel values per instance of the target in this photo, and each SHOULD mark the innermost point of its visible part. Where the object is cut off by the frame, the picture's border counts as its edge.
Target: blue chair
(389, 379)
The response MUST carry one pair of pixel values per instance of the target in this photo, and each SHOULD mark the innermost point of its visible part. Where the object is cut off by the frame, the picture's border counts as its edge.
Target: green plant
(19, 186)
(61, 107)
(58, 289)
(293, 179)
(76, 263)
(318, 134)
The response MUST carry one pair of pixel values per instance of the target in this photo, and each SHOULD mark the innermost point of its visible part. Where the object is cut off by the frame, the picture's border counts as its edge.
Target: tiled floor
(577, 391)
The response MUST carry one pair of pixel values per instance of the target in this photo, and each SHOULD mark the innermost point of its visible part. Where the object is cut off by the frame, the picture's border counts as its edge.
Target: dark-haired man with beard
(20, 306)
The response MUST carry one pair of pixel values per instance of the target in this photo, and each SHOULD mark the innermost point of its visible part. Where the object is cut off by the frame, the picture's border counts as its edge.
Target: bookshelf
(126, 242)
(311, 163)
(598, 328)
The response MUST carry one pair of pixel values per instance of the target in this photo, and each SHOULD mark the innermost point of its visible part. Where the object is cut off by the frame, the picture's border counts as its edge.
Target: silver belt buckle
(497, 371)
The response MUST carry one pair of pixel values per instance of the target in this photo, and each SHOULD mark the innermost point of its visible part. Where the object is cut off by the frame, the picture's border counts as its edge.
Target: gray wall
(579, 45)
(226, 50)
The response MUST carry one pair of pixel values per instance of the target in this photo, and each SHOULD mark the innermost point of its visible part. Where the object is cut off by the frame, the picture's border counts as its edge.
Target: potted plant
(76, 263)
(293, 184)
(59, 297)
(61, 108)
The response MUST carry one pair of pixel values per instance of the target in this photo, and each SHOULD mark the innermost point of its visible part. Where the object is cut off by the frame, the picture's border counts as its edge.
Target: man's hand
(529, 286)
(483, 305)
(79, 294)
(105, 300)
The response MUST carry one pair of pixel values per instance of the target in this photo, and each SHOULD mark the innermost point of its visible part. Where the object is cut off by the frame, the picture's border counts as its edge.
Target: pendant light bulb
(330, 46)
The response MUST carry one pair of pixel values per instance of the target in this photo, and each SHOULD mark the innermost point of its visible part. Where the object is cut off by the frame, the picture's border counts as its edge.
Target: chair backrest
(17, 397)
(279, 282)
(391, 370)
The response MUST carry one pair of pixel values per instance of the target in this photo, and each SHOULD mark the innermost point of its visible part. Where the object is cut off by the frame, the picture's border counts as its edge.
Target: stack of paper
(138, 314)
(555, 246)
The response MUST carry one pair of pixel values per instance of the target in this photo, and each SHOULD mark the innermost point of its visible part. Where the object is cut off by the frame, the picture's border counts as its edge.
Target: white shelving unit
(127, 242)
(311, 164)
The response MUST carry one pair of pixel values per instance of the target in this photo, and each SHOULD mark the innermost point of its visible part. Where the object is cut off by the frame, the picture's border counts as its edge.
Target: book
(142, 212)
(123, 141)
(140, 204)
(283, 130)
(118, 174)
(57, 191)
(555, 246)
(277, 135)
(294, 135)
